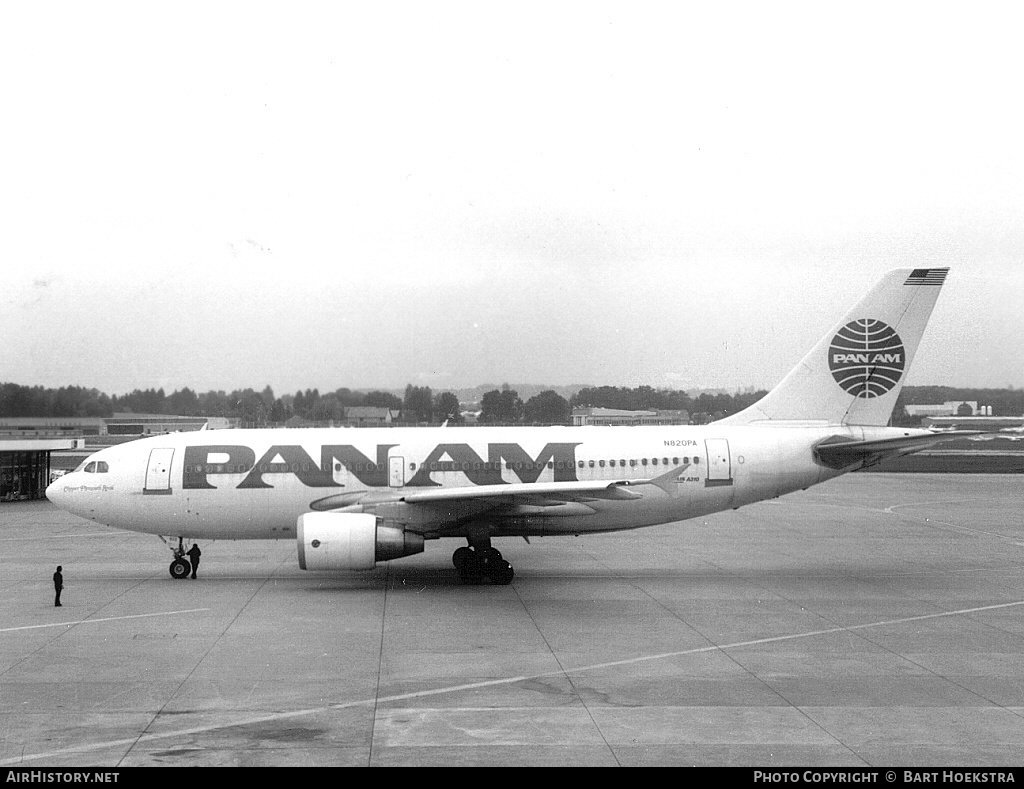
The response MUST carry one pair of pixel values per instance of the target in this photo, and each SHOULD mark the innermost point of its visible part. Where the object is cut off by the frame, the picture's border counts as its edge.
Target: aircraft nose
(55, 492)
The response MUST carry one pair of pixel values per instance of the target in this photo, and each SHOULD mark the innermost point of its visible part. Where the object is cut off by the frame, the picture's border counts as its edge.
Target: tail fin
(854, 374)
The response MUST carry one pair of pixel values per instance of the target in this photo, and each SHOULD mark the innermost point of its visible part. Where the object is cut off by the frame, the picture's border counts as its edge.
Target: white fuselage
(254, 484)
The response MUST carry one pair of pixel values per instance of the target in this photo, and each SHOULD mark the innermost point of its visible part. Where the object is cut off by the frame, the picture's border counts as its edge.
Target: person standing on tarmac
(193, 556)
(58, 584)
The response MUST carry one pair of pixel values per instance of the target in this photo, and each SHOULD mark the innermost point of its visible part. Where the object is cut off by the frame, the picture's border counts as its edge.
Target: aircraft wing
(839, 452)
(446, 508)
(616, 489)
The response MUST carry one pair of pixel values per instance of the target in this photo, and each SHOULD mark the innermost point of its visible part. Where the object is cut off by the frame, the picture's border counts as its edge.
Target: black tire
(472, 570)
(501, 573)
(489, 557)
(461, 556)
(180, 568)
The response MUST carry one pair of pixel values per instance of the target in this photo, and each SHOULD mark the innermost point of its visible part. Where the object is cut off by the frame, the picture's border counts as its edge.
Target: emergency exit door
(719, 462)
(158, 471)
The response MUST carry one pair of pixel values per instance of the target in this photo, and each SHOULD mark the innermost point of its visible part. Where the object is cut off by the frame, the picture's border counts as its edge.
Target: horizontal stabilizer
(839, 452)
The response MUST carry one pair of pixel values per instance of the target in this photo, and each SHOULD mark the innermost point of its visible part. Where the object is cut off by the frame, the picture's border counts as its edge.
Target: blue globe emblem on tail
(867, 358)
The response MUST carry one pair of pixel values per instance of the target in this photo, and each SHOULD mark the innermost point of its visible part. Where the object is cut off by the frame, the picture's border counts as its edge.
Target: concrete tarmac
(874, 620)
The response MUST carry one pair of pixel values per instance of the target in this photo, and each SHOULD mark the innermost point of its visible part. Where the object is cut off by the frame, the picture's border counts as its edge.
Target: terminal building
(963, 415)
(34, 450)
(25, 461)
(132, 425)
(983, 423)
(949, 408)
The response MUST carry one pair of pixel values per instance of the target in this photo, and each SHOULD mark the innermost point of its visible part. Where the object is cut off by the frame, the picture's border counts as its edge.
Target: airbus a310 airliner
(352, 497)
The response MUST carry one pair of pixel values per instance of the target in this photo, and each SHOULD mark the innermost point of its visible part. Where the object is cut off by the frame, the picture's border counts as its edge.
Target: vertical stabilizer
(854, 374)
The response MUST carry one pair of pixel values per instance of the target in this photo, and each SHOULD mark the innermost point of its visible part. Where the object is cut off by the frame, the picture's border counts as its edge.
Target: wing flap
(561, 491)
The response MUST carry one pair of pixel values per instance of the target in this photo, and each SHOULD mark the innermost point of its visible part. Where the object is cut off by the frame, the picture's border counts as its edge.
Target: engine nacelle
(351, 541)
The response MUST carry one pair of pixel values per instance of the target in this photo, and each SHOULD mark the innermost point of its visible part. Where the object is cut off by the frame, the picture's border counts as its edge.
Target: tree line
(249, 406)
(421, 405)
(703, 408)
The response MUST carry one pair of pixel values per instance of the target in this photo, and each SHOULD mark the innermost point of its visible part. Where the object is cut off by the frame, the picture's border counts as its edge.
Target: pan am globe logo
(867, 358)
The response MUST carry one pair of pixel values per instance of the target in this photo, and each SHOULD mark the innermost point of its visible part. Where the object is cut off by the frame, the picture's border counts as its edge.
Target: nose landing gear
(180, 567)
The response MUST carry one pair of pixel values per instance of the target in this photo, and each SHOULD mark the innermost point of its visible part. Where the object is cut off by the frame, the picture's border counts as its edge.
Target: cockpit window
(96, 467)
(91, 468)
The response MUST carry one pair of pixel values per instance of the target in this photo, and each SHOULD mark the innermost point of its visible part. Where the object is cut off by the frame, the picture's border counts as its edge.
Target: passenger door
(719, 462)
(158, 471)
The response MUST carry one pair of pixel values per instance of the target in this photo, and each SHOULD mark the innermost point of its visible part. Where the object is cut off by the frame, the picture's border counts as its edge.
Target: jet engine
(351, 541)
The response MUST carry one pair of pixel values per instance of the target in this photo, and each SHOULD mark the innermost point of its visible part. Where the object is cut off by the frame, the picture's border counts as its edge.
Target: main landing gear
(480, 561)
(180, 567)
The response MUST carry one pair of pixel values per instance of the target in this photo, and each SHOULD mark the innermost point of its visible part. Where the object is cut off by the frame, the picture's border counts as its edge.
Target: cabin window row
(281, 468)
(450, 465)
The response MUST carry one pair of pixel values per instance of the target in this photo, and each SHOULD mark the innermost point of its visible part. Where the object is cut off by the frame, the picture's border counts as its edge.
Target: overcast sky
(221, 195)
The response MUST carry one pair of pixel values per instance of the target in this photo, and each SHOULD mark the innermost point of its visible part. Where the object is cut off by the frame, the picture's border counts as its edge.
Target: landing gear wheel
(501, 573)
(180, 568)
(472, 569)
(489, 557)
(477, 563)
(461, 557)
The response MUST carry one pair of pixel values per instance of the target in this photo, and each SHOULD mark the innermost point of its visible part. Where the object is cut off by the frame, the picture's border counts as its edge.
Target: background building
(614, 416)
(25, 457)
(34, 449)
(369, 416)
(949, 408)
(985, 423)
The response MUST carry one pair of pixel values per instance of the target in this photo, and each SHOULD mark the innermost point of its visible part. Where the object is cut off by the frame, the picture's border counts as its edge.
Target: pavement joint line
(141, 737)
(136, 741)
(104, 619)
